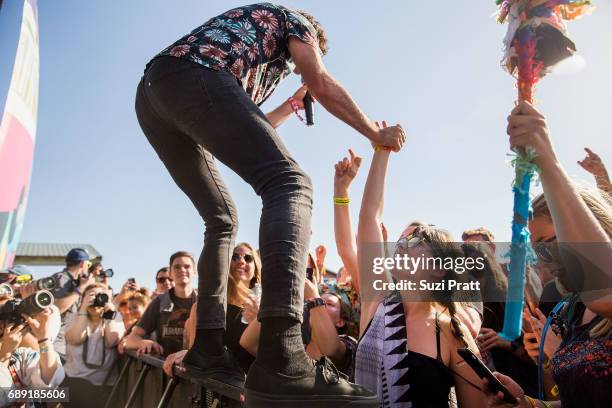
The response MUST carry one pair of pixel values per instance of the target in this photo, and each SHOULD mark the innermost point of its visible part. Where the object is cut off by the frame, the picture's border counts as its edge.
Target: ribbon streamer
(536, 40)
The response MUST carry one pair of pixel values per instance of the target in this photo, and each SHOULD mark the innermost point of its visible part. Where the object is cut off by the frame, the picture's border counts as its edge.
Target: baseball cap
(18, 270)
(77, 255)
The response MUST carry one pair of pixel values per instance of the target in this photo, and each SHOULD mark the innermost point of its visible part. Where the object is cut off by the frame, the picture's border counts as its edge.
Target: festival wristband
(296, 108)
(43, 340)
(532, 401)
(341, 200)
(547, 404)
(312, 303)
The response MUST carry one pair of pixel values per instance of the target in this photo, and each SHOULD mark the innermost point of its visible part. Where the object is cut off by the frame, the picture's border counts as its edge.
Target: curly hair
(321, 35)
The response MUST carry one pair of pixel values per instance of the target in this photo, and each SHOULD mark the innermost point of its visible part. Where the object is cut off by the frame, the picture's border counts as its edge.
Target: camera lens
(6, 290)
(45, 283)
(101, 300)
(35, 303)
(44, 299)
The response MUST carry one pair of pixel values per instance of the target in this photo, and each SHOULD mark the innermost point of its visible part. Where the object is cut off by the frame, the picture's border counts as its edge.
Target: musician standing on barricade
(199, 100)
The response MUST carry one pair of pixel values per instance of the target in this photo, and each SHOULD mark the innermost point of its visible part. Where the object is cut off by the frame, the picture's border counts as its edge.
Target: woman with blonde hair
(244, 274)
(572, 231)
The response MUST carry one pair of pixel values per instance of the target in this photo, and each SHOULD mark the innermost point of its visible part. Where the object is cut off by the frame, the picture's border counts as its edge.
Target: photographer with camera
(67, 287)
(90, 351)
(100, 274)
(24, 366)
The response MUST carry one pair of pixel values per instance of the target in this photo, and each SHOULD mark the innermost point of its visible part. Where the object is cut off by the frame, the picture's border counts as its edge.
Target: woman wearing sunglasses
(244, 274)
(163, 281)
(407, 352)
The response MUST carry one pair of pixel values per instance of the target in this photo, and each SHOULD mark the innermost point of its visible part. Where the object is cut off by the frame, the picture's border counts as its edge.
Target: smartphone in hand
(483, 372)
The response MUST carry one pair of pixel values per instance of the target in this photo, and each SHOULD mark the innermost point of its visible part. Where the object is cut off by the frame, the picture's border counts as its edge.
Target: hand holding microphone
(308, 101)
(302, 99)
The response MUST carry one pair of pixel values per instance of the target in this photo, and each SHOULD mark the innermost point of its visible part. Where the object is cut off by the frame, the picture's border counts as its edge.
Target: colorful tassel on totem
(537, 40)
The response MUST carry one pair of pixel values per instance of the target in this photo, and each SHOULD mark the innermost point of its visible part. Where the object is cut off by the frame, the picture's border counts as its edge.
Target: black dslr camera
(45, 283)
(101, 300)
(12, 310)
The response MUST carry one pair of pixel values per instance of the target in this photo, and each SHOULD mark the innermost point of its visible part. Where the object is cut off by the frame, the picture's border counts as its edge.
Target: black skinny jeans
(191, 115)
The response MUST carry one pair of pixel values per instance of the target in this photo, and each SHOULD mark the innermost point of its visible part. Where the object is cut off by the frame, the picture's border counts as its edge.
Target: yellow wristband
(554, 391)
(532, 401)
(547, 404)
(341, 200)
(379, 148)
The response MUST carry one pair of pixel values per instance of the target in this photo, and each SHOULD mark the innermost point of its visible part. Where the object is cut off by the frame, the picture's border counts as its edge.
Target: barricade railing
(141, 382)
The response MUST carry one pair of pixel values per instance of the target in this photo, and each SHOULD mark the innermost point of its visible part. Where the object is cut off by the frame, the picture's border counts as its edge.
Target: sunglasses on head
(543, 251)
(409, 241)
(247, 258)
(163, 279)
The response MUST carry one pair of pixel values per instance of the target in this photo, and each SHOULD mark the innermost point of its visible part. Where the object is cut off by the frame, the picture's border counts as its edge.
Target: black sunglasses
(247, 258)
(163, 279)
(543, 250)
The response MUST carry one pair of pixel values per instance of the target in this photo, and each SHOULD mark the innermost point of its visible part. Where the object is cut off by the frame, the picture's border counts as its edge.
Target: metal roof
(34, 253)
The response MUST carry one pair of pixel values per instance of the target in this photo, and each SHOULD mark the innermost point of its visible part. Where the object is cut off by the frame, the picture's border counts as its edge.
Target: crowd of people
(306, 335)
(401, 350)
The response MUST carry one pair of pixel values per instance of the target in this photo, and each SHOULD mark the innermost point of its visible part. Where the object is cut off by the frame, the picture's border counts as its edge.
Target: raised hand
(346, 170)
(40, 325)
(11, 339)
(528, 127)
(593, 164)
(391, 137)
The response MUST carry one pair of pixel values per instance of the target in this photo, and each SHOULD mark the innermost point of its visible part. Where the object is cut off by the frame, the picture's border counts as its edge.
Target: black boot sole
(217, 374)
(256, 399)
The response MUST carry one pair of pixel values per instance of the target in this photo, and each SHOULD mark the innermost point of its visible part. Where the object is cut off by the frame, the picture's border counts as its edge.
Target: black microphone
(308, 108)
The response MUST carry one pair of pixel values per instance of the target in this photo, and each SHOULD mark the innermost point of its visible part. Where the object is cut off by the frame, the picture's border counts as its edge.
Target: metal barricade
(184, 389)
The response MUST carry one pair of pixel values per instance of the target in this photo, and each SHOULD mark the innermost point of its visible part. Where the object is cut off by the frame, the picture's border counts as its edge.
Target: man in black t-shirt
(167, 313)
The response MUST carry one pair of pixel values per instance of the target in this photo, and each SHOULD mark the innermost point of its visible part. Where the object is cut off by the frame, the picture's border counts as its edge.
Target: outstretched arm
(346, 170)
(369, 233)
(332, 95)
(575, 224)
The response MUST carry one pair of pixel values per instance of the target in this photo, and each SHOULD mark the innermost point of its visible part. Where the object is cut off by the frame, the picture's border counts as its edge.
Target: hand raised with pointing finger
(346, 170)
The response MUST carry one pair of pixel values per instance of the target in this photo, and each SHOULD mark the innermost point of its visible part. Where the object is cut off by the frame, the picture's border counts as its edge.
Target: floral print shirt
(251, 42)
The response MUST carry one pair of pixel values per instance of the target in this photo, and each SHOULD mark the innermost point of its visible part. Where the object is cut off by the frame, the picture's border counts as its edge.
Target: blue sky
(432, 67)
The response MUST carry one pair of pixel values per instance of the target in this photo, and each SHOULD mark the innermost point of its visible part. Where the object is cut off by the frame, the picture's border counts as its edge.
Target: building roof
(33, 253)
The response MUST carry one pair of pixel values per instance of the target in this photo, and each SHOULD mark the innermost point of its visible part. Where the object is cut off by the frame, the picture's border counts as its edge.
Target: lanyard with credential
(550, 318)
